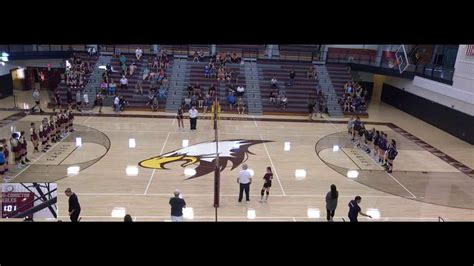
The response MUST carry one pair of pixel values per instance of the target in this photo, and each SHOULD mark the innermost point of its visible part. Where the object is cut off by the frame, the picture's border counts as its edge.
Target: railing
(14, 48)
(429, 71)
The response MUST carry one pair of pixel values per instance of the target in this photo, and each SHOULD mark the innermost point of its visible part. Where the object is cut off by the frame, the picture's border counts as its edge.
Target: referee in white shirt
(193, 113)
(244, 179)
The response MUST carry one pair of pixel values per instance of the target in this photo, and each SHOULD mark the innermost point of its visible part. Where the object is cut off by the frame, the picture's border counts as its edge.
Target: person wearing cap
(74, 206)
(177, 205)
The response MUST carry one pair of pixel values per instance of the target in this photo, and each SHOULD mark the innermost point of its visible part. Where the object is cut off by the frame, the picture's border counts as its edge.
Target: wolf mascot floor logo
(235, 151)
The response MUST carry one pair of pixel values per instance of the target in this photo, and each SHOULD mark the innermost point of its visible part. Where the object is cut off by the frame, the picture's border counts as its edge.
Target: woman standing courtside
(331, 203)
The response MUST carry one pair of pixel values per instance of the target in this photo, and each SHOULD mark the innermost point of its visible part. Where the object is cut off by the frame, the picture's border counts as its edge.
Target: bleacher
(340, 74)
(197, 76)
(299, 52)
(243, 50)
(62, 85)
(135, 100)
(297, 94)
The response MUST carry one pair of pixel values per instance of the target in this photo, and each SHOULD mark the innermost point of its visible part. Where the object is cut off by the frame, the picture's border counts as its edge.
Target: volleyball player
(268, 177)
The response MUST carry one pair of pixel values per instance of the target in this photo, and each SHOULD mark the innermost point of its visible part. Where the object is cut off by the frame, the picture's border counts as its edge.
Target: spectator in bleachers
(228, 58)
(122, 103)
(112, 87)
(273, 96)
(132, 68)
(109, 69)
(165, 82)
(162, 93)
(117, 52)
(212, 91)
(240, 106)
(195, 56)
(92, 51)
(150, 96)
(156, 63)
(206, 71)
(221, 74)
(207, 102)
(348, 87)
(235, 58)
(190, 89)
(146, 73)
(124, 69)
(212, 71)
(311, 105)
(311, 73)
(200, 100)
(123, 83)
(292, 77)
(197, 88)
(187, 102)
(284, 102)
(122, 59)
(165, 60)
(161, 75)
(274, 82)
(231, 101)
(138, 87)
(240, 91)
(228, 76)
(138, 53)
(193, 99)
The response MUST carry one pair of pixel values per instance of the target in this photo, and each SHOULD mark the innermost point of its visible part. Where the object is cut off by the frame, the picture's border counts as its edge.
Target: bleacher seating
(297, 94)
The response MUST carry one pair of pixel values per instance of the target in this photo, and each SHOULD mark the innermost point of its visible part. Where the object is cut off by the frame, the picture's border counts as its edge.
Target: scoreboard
(14, 202)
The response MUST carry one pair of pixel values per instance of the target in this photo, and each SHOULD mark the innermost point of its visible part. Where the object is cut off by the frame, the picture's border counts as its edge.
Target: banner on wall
(37, 200)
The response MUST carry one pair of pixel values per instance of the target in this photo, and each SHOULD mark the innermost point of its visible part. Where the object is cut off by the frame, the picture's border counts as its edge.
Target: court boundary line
(321, 218)
(228, 195)
(273, 166)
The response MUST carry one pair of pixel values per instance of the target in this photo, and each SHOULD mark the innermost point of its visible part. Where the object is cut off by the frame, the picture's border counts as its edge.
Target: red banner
(15, 202)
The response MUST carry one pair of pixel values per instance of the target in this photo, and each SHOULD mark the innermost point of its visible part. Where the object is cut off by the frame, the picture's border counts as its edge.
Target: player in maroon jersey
(268, 177)
(34, 137)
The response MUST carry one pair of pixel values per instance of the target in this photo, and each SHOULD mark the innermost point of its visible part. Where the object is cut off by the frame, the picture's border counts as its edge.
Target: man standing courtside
(74, 206)
(177, 205)
(193, 113)
(244, 179)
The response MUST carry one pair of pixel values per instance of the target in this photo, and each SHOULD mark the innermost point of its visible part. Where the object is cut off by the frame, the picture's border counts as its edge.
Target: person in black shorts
(268, 177)
(69, 96)
(382, 147)
(180, 117)
(57, 99)
(355, 127)
(391, 154)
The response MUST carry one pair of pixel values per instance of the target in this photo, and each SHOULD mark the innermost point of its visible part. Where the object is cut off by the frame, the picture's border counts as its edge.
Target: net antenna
(217, 166)
(401, 58)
